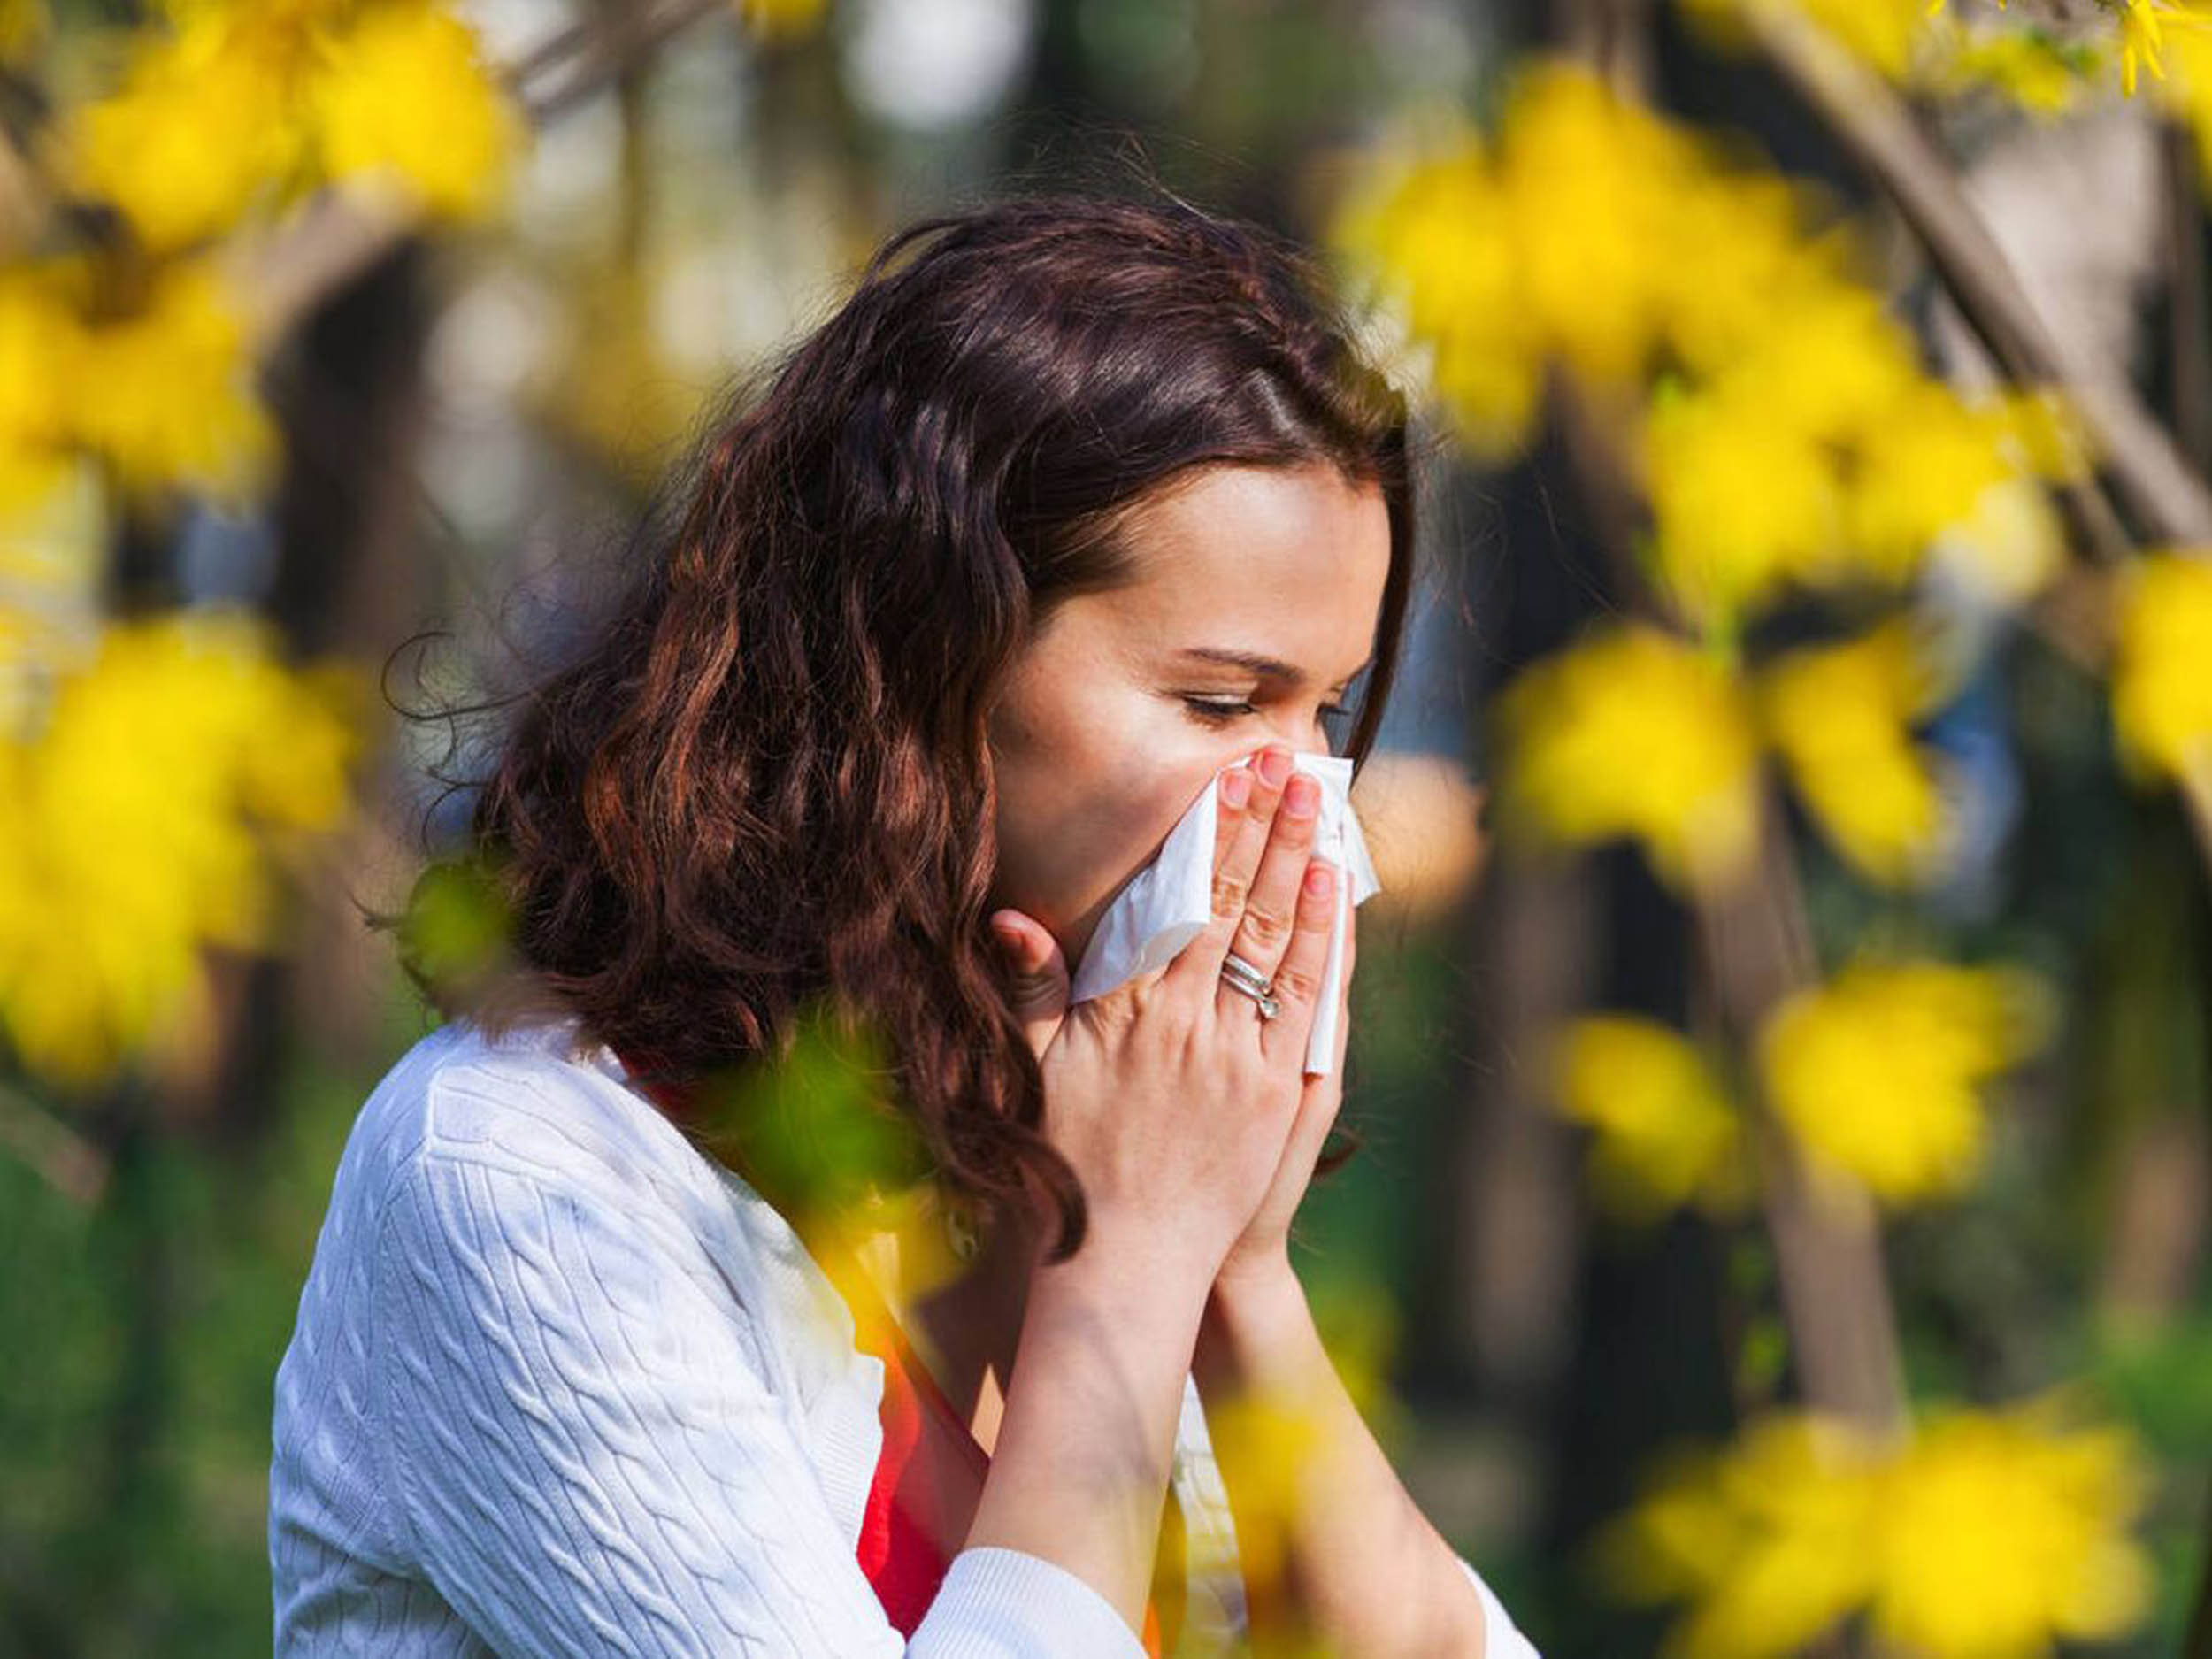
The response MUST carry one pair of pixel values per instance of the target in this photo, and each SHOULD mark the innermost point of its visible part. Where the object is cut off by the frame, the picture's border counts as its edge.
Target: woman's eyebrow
(1269, 667)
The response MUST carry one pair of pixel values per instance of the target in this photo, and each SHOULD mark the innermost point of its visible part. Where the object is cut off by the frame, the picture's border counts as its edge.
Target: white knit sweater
(562, 1385)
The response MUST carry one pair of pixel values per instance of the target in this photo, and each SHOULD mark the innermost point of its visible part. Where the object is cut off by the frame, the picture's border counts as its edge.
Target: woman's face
(1121, 709)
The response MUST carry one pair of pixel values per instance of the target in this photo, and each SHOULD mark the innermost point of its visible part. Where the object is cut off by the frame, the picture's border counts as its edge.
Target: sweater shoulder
(474, 1124)
(537, 1101)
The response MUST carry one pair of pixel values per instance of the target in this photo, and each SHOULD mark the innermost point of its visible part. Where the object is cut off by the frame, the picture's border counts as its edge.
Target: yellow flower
(1741, 264)
(2034, 69)
(166, 391)
(2139, 39)
(406, 98)
(1882, 32)
(1635, 733)
(202, 129)
(1792, 435)
(1742, 502)
(2143, 34)
(1269, 1436)
(2012, 542)
(1817, 451)
(885, 1244)
(1589, 184)
(1879, 1073)
(1831, 361)
(2187, 90)
(296, 21)
(39, 342)
(2008, 549)
(1921, 468)
(1432, 231)
(1983, 1535)
(1666, 1134)
(781, 19)
(1266, 1445)
(2003, 1531)
(2162, 692)
(143, 815)
(1593, 233)
(2041, 432)
(1767, 1539)
(162, 393)
(237, 109)
(1841, 717)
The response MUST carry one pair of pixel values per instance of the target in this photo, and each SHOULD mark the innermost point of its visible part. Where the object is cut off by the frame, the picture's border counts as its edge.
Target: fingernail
(1319, 877)
(1236, 787)
(1302, 797)
(1274, 766)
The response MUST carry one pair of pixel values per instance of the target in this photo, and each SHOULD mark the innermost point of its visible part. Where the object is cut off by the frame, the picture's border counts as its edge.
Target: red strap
(898, 1548)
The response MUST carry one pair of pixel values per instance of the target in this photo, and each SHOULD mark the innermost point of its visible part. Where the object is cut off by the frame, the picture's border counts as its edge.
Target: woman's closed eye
(1219, 712)
(1231, 708)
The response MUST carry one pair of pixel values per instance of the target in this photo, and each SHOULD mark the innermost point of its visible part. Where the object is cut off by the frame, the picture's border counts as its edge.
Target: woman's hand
(1130, 1076)
(1262, 1251)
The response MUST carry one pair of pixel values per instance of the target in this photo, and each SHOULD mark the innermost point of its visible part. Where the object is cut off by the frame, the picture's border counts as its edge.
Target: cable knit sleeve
(584, 1457)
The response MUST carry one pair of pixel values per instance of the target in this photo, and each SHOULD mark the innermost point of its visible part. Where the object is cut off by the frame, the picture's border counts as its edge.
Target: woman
(1074, 512)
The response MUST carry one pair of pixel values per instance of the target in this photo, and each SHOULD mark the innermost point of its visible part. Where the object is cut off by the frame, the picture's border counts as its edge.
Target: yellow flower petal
(1634, 732)
(143, 815)
(2161, 695)
(406, 100)
(167, 393)
(1841, 717)
(2002, 1531)
(1666, 1134)
(1879, 1073)
(203, 130)
(1765, 1540)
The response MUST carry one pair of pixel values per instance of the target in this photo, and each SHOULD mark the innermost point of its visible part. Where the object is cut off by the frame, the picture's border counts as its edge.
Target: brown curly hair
(763, 787)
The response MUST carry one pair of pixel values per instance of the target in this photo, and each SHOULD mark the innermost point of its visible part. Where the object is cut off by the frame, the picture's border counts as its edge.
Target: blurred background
(1781, 1038)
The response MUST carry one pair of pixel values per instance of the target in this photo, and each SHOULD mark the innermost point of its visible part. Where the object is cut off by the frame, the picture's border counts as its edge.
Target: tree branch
(1876, 127)
(66, 1161)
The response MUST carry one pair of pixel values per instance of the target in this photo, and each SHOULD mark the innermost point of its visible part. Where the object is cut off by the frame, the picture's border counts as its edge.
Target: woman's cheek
(1175, 787)
(1133, 815)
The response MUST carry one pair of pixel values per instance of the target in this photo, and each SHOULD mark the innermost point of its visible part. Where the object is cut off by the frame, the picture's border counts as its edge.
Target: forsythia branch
(66, 1161)
(1874, 125)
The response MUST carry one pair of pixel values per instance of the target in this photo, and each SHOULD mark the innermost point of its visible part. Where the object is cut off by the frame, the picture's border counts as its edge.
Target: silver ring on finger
(1242, 976)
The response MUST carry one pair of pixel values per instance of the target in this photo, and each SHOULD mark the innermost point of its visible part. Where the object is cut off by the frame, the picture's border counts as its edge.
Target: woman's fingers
(1298, 975)
(1237, 853)
(1263, 933)
(1239, 857)
(1232, 790)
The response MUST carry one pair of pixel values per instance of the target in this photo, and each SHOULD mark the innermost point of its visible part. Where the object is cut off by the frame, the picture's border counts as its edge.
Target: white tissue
(1168, 902)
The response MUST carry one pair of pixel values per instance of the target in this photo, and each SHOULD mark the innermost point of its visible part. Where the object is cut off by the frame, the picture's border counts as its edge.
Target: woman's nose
(1313, 741)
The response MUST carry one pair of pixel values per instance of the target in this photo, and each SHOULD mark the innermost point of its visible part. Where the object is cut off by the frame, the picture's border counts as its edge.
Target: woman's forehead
(1273, 561)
